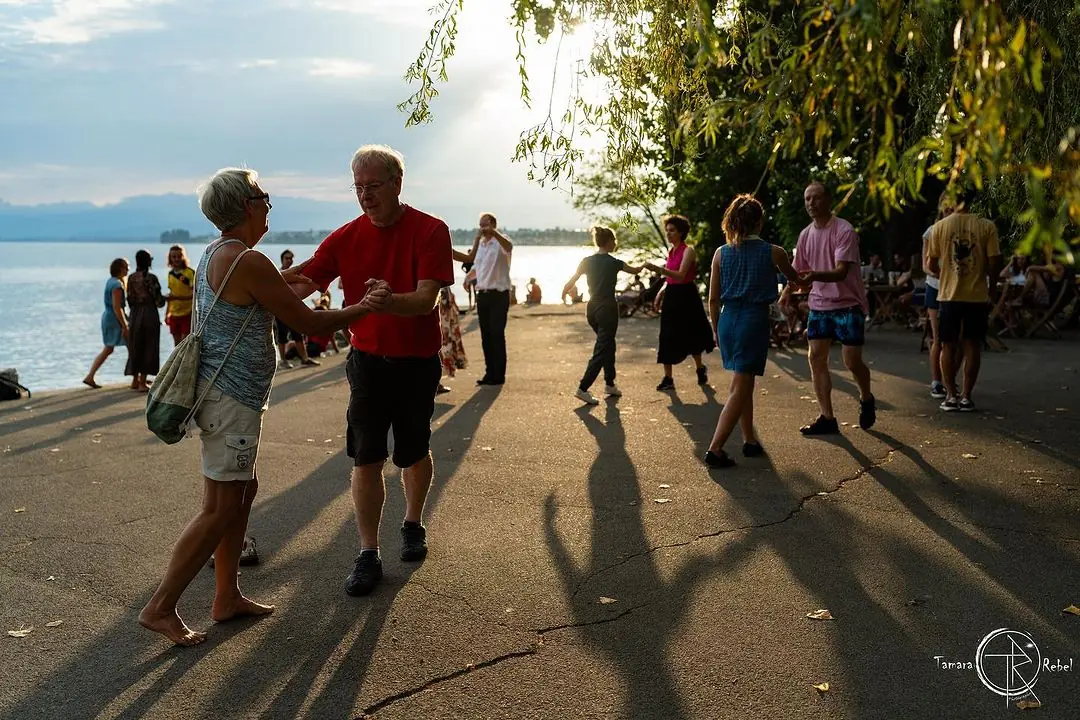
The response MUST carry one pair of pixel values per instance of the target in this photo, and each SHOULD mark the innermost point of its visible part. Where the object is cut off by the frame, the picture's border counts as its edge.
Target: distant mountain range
(146, 217)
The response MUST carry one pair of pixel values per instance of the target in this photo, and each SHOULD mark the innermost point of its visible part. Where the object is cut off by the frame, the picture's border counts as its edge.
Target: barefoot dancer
(743, 281)
(114, 325)
(233, 286)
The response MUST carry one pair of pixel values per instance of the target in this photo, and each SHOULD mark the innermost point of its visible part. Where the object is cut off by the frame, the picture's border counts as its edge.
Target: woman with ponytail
(743, 284)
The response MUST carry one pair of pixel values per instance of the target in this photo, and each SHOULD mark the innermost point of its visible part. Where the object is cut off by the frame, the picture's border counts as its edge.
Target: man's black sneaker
(703, 375)
(966, 405)
(666, 384)
(366, 574)
(867, 413)
(950, 405)
(821, 426)
(413, 542)
(718, 460)
(752, 450)
(489, 381)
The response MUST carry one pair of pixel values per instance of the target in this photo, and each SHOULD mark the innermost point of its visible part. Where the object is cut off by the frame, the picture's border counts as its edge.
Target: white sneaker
(285, 365)
(613, 391)
(586, 397)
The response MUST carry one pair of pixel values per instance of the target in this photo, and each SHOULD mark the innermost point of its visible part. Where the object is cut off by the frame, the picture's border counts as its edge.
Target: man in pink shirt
(828, 256)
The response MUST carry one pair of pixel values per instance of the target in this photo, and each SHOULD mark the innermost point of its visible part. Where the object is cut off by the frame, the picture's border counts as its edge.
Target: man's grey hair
(383, 155)
(223, 198)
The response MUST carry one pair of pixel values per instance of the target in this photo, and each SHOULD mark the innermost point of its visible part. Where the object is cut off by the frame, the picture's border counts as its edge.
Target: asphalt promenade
(584, 563)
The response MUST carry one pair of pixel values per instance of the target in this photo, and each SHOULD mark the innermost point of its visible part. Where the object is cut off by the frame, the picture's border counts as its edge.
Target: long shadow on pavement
(302, 645)
(638, 651)
(820, 557)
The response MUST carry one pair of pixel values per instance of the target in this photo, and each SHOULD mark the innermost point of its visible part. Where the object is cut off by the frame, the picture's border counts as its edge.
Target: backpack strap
(202, 325)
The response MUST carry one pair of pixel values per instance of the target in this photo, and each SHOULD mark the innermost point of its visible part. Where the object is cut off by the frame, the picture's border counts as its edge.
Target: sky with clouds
(106, 99)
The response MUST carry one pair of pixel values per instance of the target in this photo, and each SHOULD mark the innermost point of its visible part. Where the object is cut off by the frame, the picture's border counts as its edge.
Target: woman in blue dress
(744, 283)
(114, 324)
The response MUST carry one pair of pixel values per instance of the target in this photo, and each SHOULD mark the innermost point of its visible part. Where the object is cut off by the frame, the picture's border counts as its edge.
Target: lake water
(51, 300)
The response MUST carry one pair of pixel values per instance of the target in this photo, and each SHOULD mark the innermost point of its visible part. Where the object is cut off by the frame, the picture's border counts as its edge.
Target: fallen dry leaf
(1072, 610)
(19, 510)
(55, 450)
(821, 687)
(665, 486)
(820, 615)
(487, 447)
(328, 441)
(1028, 704)
(969, 456)
(54, 623)
(805, 397)
(661, 501)
(1061, 409)
(21, 632)
(311, 439)
(50, 578)
(607, 600)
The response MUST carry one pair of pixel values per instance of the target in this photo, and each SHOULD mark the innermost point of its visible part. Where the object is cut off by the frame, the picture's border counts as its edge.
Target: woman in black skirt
(144, 298)
(684, 327)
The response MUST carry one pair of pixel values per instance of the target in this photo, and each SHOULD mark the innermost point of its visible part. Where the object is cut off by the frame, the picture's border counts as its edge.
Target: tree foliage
(894, 99)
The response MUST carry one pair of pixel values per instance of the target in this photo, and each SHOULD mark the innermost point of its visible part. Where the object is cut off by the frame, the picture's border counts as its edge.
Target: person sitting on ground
(601, 271)
(532, 292)
(572, 296)
(290, 343)
(318, 344)
(238, 294)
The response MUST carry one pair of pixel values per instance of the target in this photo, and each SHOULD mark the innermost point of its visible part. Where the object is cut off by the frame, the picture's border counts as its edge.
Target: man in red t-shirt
(393, 367)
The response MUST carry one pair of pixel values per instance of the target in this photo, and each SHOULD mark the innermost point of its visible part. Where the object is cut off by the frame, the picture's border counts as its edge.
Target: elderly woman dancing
(238, 293)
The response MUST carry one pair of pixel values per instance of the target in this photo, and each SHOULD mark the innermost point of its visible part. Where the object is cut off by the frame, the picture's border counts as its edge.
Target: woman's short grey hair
(383, 155)
(224, 197)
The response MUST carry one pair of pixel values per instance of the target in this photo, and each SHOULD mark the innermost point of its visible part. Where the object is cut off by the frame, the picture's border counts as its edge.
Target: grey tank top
(249, 371)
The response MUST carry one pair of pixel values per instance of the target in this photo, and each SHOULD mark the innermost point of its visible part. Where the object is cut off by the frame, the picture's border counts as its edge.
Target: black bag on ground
(10, 389)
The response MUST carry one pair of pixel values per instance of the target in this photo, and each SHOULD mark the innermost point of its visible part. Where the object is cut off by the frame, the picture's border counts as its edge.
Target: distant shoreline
(457, 241)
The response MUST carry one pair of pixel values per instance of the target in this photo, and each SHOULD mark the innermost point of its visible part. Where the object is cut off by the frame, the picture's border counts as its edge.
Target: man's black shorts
(283, 333)
(967, 320)
(387, 393)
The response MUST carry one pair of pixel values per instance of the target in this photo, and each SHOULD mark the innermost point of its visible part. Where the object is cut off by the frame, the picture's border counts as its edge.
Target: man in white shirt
(490, 256)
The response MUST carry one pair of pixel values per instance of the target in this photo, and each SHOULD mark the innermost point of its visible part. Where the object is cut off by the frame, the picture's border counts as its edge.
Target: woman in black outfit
(144, 298)
(684, 327)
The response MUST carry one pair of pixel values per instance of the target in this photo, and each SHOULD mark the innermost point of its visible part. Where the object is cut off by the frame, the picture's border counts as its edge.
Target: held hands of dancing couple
(376, 299)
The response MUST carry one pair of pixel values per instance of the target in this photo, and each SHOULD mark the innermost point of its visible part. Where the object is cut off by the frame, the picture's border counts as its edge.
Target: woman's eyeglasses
(264, 196)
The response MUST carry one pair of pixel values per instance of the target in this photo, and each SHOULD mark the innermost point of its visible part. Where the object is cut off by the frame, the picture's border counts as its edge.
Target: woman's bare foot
(171, 626)
(90, 382)
(236, 607)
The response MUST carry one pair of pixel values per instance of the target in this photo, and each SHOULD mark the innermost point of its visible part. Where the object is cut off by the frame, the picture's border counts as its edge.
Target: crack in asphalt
(370, 711)
(799, 506)
(540, 632)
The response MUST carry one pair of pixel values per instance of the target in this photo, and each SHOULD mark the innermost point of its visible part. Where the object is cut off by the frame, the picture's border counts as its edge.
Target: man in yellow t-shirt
(181, 290)
(963, 252)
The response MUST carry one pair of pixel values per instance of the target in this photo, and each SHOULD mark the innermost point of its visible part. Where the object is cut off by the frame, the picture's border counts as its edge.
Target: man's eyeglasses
(264, 196)
(369, 189)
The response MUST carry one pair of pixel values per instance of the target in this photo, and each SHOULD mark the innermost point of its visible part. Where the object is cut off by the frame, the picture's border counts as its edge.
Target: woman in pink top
(684, 327)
